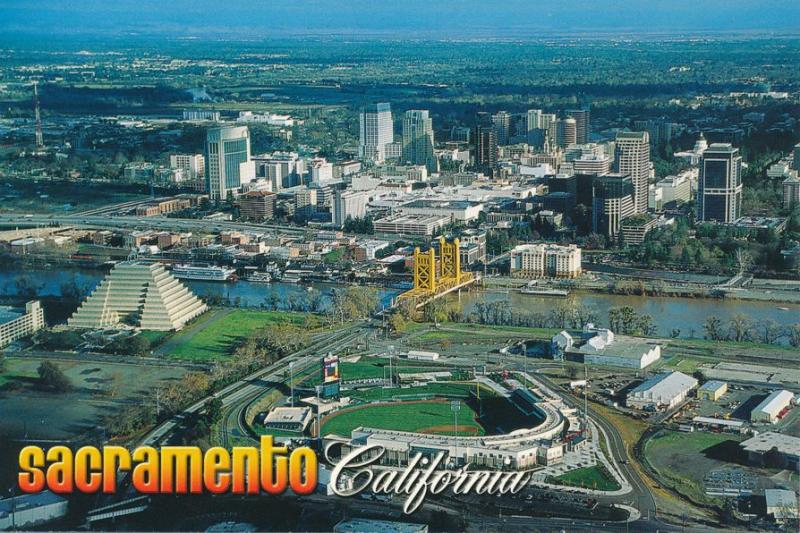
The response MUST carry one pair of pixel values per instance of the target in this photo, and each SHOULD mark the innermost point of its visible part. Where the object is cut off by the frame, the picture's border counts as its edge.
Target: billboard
(330, 369)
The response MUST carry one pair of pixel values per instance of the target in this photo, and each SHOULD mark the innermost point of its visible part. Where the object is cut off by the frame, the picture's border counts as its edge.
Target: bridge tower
(425, 271)
(450, 262)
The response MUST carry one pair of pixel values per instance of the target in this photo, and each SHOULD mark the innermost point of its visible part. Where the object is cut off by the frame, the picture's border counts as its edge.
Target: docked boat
(203, 272)
(259, 277)
(533, 289)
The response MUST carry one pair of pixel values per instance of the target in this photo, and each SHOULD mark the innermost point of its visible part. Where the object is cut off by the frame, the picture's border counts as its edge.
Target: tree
(770, 331)
(53, 378)
(397, 323)
(793, 332)
(740, 328)
(713, 328)
(213, 411)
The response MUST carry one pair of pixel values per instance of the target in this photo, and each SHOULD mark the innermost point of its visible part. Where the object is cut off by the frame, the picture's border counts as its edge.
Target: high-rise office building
(535, 131)
(502, 125)
(796, 157)
(632, 157)
(351, 204)
(582, 124)
(418, 139)
(375, 132)
(228, 163)
(719, 186)
(485, 143)
(612, 202)
(566, 132)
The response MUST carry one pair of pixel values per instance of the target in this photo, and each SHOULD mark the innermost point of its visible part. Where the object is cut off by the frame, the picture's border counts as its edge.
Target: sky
(451, 18)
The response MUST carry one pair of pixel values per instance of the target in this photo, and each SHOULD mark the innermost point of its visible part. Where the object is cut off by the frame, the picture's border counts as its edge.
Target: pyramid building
(138, 294)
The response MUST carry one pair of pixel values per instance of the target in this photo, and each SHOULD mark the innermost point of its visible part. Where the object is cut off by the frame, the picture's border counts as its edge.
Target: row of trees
(743, 329)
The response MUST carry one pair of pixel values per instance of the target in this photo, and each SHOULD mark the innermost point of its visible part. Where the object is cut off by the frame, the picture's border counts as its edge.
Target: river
(686, 314)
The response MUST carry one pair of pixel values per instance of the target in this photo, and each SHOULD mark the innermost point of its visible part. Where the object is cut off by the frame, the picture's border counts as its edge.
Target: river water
(685, 314)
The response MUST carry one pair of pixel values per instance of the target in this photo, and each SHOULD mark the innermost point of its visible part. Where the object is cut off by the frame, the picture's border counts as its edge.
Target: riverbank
(760, 290)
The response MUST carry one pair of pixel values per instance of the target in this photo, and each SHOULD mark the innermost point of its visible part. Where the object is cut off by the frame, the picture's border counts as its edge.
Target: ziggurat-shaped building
(138, 294)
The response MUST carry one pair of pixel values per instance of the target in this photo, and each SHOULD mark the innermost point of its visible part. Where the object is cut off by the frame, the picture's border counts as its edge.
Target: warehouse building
(600, 346)
(15, 324)
(662, 391)
(772, 408)
(712, 390)
(29, 510)
(781, 505)
(785, 448)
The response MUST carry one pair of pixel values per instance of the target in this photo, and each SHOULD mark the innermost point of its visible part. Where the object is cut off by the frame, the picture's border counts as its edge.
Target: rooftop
(7, 314)
(28, 501)
(666, 383)
(359, 525)
(288, 415)
(764, 442)
(712, 385)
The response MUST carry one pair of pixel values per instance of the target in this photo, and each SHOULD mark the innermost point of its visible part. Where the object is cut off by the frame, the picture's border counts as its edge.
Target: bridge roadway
(132, 223)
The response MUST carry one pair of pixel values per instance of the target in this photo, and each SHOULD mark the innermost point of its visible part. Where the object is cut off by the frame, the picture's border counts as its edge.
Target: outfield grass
(434, 416)
(211, 339)
(591, 477)
(436, 388)
(374, 368)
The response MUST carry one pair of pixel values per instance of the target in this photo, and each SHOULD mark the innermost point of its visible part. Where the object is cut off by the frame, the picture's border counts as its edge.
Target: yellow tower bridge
(436, 276)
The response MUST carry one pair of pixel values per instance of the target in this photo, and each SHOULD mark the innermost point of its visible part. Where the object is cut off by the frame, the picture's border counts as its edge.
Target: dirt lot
(99, 389)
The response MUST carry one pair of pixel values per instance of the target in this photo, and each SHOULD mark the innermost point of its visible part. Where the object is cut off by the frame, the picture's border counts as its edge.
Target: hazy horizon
(424, 19)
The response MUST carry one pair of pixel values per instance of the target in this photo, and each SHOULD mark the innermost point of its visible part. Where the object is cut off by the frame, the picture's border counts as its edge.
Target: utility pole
(291, 382)
(455, 405)
(37, 112)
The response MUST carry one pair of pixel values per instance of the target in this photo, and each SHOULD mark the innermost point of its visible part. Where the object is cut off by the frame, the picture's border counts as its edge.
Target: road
(146, 223)
(237, 404)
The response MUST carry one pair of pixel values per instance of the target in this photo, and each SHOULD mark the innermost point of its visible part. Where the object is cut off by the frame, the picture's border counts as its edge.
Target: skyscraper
(566, 132)
(719, 187)
(632, 157)
(228, 163)
(485, 143)
(351, 204)
(502, 125)
(582, 125)
(375, 132)
(612, 202)
(535, 131)
(418, 139)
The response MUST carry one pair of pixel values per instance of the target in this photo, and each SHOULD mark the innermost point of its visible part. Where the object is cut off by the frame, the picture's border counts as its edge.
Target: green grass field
(682, 459)
(594, 477)
(433, 416)
(369, 368)
(446, 389)
(216, 336)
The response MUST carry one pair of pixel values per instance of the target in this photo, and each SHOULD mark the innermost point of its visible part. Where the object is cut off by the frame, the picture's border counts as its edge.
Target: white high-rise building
(228, 163)
(418, 139)
(375, 132)
(321, 170)
(534, 119)
(545, 261)
(632, 157)
(351, 204)
(195, 164)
